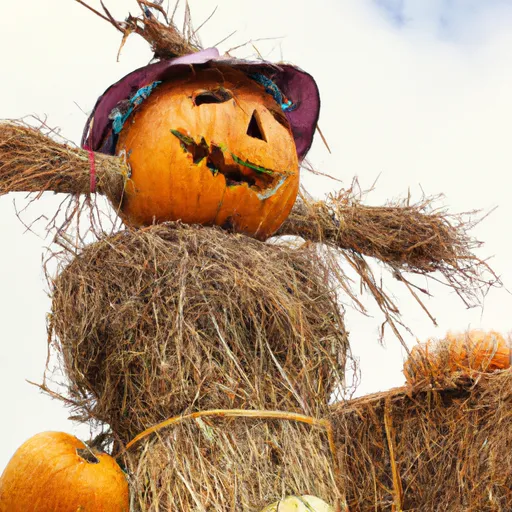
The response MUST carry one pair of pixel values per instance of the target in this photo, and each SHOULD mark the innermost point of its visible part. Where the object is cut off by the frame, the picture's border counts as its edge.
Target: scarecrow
(210, 354)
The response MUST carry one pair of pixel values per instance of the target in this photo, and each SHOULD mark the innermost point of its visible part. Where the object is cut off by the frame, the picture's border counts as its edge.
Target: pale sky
(416, 92)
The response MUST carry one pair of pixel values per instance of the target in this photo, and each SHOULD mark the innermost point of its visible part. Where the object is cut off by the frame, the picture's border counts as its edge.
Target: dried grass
(33, 161)
(407, 238)
(230, 465)
(171, 319)
(417, 238)
(430, 450)
(165, 38)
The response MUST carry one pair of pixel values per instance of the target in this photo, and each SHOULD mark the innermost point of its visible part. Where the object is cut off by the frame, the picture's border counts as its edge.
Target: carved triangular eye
(255, 129)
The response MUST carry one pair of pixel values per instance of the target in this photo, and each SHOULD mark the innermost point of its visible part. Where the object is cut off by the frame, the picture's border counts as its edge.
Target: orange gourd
(458, 354)
(478, 350)
(54, 471)
(210, 148)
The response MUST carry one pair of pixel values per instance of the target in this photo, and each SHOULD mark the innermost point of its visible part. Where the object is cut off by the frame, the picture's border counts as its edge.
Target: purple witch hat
(296, 85)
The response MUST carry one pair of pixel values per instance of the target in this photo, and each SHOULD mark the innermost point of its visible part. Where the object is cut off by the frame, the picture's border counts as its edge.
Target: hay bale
(446, 449)
(169, 319)
(235, 464)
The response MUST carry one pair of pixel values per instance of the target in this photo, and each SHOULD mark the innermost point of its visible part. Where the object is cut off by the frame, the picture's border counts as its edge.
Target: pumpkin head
(211, 148)
(54, 471)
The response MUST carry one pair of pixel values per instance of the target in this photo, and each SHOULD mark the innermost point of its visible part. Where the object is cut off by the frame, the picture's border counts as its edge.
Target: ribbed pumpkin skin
(478, 350)
(457, 354)
(166, 183)
(47, 475)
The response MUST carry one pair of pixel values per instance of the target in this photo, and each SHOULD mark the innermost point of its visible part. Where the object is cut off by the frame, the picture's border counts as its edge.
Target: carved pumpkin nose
(255, 129)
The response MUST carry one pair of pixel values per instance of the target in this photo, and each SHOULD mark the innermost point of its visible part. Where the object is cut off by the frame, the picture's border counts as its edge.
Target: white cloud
(454, 20)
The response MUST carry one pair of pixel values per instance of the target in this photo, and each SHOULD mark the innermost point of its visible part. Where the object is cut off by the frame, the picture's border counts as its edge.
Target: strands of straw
(417, 238)
(172, 319)
(31, 161)
(257, 415)
(165, 38)
(231, 464)
(429, 450)
(407, 238)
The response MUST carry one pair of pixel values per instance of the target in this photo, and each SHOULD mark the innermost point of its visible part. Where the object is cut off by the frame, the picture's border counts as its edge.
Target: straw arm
(411, 238)
(407, 238)
(31, 161)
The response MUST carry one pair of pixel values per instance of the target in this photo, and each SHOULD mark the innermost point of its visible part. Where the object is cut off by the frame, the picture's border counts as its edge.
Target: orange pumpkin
(54, 471)
(457, 354)
(210, 148)
(478, 350)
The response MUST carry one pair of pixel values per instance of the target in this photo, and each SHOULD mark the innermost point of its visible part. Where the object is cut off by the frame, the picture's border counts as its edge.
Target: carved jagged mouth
(265, 182)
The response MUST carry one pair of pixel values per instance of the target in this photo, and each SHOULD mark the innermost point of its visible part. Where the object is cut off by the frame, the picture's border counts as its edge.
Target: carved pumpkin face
(210, 148)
